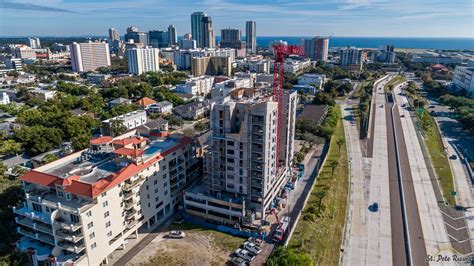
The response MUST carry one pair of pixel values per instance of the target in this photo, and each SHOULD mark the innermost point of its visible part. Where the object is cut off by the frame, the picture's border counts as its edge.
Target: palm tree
(333, 164)
(340, 142)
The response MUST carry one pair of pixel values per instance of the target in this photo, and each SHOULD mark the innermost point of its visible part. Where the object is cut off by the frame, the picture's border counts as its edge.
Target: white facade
(183, 58)
(251, 36)
(196, 86)
(4, 98)
(310, 79)
(89, 56)
(293, 66)
(24, 52)
(142, 60)
(43, 94)
(464, 78)
(34, 42)
(223, 88)
(129, 120)
(163, 107)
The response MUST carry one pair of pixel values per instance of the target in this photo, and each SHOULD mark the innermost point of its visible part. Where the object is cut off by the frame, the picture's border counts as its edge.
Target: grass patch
(222, 240)
(437, 153)
(358, 90)
(320, 230)
(394, 82)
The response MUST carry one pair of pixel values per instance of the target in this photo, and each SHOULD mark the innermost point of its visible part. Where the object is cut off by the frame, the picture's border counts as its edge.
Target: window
(74, 218)
(37, 207)
(109, 234)
(48, 209)
(157, 199)
(103, 194)
(166, 192)
(165, 184)
(94, 245)
(92, 235)
(89, 214)
(107, 224)
(60, 194)
(155, 182)
(156, 190)
(106, 214)
(105, 204)
(121, 204)
(68, 196)
(90, 225)
(149, 205)
(147, 187)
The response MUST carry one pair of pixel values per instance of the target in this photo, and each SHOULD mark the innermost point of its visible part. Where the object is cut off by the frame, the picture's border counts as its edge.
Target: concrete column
(148, 224)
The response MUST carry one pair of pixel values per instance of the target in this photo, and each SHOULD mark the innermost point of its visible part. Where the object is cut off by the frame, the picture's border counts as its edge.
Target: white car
(244, 254)
(238, 261)
(252, 247)
(176, 234)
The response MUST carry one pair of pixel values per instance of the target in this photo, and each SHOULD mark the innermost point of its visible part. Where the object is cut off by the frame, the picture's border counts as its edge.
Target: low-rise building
(464, 78)
(43, 94)
(316, 80)
(4, 98)
(192, 110)
(129, 120)
(97, 78)
(223, 88)
(201, 85)
(163, 107)
(81, 208)
(119, 101)
(145, 103)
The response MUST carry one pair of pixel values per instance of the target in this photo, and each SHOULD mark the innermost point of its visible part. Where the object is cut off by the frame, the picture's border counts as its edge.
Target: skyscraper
(142, 60)
(231, 38)
(316, 48)
(34, 42)
(196, 29)
(351, 58)
(172, 35)
(113, 35)
(208, 40)
(89, 56)
(136, 36)
(251, 36)
(159, 38)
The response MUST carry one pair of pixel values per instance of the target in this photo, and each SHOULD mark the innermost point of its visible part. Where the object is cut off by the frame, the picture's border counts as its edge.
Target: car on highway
(431, 106)
(374, 207)
(238, 261)
(402, 115)
(176, 234)
(453, 157)
(254, 249)
(244, 254)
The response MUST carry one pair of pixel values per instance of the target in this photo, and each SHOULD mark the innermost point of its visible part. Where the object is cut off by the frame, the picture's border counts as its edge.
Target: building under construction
(243, 174)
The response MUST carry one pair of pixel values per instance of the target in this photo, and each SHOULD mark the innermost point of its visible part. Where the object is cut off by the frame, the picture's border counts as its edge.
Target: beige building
(82, 207)
(89, 56)
(213, 66)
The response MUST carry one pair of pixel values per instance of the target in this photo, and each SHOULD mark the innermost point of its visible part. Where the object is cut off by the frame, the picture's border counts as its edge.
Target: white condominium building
(196, 86)
(89, 56)
(129, 120)
(464, 78)
(82, 207)
(142, 60)
(240, 170)
(24, 52)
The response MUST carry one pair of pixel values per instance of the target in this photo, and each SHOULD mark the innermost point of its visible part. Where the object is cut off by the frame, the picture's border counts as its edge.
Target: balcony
(60, 222)
(50, 199)
(69, 236)
(128, 195)
(23, 210)
(38, 236)
(36, 226)
(129, 185)
(129, 204)
(130, 213)
(71, 247)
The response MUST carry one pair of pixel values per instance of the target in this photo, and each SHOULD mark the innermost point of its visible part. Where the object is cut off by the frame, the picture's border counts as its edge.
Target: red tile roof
(145, 101)
(133, 140)
(129, 152)
(73, 185)
(101, 140)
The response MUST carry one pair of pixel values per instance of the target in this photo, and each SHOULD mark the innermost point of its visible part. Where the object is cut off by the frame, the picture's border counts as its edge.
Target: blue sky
(397, 18)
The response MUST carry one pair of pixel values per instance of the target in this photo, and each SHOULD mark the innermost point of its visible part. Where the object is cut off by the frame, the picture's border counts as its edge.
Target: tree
(117, 128)
(333, 164)
(189, 132)
(340, 141)
(200, 126)
(38, 139)
(10, 147)
(81, 141)
(50, 157)
(324, 98)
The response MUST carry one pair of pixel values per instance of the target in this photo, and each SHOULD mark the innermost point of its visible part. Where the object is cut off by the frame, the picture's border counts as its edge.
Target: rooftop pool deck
(158, 146)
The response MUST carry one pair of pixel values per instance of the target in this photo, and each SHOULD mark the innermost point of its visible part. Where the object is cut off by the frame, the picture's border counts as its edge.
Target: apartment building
(463, 78)
(223, 88)
(201, 85)
(24, 52)
(311, 79)
(89, 56)
(142, 60)
(241, 173)
(351, 58)
(316, 48)
(213, 66)
(82, 207)
(129, 120)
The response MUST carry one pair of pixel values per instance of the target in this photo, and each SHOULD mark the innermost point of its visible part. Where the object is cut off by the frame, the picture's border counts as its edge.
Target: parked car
(374, 207)
(257, 241)
(252, 248)
(238, 261)
(244, 254)
(402, 115)
(453, 157)
(176, 234)
(431, 106)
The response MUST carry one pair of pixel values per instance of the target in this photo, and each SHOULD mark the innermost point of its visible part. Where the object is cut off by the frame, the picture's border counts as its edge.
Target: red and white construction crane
(281, 52)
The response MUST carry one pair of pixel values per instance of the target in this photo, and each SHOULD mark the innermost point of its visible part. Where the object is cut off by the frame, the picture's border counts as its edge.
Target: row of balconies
(36, 235)
(130, 184)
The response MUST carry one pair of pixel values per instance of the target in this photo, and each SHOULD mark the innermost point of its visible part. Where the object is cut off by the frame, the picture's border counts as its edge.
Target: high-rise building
(251, 36)
(187, 44)
(316, 48)
(196, 29)
(159, 38)
(34, 42)
(89, 56)
(188, 36)
(351, 58)
(208, 40)
(240, 170)
(81, 208)
(213, 66)
(24, 52)
(231, 38)
(172, 35)
(463, 79)
(136, 36)
(114, 34)
(143, 60)
(386, 54)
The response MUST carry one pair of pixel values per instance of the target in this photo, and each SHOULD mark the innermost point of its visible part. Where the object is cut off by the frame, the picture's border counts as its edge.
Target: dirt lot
(200, 247)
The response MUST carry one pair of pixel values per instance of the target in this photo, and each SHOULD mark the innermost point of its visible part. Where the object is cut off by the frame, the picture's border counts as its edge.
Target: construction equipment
(281, 51)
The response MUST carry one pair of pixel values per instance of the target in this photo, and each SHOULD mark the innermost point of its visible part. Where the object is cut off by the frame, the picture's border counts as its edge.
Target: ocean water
(375, 42)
